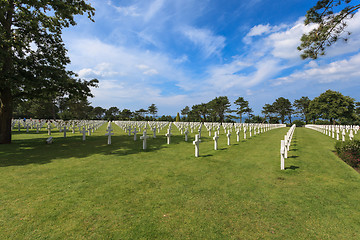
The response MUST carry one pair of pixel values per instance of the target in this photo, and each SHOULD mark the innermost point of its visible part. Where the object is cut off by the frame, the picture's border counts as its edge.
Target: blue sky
(178, 53)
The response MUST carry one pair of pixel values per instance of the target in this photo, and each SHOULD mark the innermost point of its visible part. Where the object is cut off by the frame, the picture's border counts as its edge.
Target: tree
(282, 107)
(33, 55)
(152, 109)
(126, 114)
(177, 119)
(219, 106)
(98, 112)
(243, 106)
(330, 26)
(111, 113)
(185, 111)
(302, 107)
(199, 112)
(268, 111)
(333, 106)
(140, 114)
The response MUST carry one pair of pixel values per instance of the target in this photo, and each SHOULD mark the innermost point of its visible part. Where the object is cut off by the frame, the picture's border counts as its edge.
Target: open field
(90, 190)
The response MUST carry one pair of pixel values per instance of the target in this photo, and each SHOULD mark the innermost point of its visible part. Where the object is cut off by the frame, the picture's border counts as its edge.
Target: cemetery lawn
(90, 190)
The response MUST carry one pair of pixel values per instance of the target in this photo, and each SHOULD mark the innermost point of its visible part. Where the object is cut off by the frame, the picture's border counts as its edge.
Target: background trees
(333, 106)
(302, 107)
(243, 107)
(152, 109)
(329, 106)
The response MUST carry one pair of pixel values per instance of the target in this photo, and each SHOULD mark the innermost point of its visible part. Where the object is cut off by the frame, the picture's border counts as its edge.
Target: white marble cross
(129, 130)
(244, 132)
(351, 135)
(215, 138)
(168, 135)
(228, 137)
(337, 134)
(196, 143)
(134, 132)
(282, 155)
(186, 134)
(154, 132)
(343, 135)
(144, 137)
(109, 133)
(83, 133)
(286, 146)
(238, 135)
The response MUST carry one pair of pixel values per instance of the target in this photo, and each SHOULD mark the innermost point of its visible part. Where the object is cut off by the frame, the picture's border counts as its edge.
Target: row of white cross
(285, 146)
(330, 130)
(127, 126)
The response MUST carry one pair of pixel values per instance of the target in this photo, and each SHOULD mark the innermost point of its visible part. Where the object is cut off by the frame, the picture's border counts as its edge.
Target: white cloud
(259, 30)
(209, 43)
(340, 71)
(151, 72)
(155, 6)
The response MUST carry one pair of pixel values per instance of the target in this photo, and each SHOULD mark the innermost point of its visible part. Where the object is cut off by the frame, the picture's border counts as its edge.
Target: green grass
(90, 190)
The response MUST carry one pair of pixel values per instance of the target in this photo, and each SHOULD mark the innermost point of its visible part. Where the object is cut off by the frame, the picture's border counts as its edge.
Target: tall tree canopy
(330, 25)
(332, 106)
(302, 107)
(243, 107)
(282, 107)
(219, 106)
(33, 56)
(152, 109)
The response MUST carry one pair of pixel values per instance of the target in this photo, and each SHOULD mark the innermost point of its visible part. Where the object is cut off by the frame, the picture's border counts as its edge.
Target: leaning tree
(33, 55)
(330, 25)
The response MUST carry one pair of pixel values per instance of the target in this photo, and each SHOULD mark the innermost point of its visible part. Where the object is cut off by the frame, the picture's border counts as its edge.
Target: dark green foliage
(349, 152)
(218, 107)
(332, 106)
(331, 25)
(152, 109)
(298, 123)
(185, 111)
(280, 109)
(243, 107)
(302, 107)
(33, 56)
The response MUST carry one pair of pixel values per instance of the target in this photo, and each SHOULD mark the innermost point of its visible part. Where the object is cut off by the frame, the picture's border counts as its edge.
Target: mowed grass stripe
(73, 189)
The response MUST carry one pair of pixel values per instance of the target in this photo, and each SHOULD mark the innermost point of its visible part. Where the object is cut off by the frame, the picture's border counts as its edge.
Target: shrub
(349, 152)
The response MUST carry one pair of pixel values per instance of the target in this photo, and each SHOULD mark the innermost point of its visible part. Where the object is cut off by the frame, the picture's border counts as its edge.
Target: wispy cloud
(205, 39)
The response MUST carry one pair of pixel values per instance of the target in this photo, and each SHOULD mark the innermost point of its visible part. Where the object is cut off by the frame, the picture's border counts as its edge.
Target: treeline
(328, 108)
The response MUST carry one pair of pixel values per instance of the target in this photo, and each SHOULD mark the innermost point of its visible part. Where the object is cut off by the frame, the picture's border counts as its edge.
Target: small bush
(349, 152)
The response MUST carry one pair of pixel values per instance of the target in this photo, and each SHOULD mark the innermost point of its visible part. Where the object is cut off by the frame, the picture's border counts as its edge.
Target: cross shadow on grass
(292, 167)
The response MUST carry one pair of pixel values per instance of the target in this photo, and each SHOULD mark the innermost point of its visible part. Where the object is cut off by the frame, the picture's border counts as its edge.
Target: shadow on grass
(292, 167)
(36, 151)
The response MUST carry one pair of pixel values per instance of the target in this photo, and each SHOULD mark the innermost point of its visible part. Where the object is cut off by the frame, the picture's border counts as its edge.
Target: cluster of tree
(65, 108)
(330, 107)
(216, 110)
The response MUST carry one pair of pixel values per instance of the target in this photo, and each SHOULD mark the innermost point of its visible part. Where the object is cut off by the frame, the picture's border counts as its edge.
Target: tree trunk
(6, 110)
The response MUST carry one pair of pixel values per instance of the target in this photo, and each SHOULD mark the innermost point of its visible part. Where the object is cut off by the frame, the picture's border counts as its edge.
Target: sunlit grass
(74, 189)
